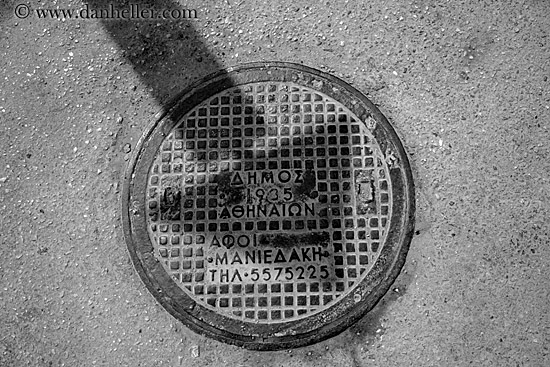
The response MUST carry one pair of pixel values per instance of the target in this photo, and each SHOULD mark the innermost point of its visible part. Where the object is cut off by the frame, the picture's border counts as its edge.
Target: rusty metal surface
(270, 207)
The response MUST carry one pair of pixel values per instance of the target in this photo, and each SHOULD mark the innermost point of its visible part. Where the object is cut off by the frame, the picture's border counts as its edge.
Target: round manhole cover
(270, 207)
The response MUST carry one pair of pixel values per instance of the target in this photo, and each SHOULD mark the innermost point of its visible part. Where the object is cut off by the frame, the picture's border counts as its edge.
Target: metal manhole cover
(270, 207)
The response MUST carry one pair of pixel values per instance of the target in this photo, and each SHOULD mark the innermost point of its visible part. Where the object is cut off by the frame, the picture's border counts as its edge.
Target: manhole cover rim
(262, 336)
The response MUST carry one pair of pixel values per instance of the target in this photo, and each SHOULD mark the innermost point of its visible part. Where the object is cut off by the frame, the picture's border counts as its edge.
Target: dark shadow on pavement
(167, 54)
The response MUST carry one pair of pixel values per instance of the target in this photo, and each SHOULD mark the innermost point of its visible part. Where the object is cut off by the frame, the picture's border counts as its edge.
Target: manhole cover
(270, 207)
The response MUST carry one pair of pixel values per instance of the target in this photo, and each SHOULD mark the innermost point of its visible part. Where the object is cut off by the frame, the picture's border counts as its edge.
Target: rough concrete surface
(464, 83)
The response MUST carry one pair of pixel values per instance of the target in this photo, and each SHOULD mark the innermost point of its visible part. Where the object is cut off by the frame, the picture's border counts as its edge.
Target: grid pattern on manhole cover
(268, 202)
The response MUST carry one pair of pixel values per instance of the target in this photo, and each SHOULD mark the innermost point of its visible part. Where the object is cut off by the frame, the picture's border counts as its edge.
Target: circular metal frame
(257, 335)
